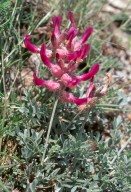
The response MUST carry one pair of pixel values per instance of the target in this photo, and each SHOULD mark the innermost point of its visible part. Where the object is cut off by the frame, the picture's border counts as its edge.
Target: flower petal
(44, 58)
(38, 81)
(56, 23)
(66, 96)
(86, 35)
(55, 69)
(70, 16)
(66, 78)
(48, 53)
(69, 98)
(63, 52)
(85, 51)
(49, 84)
(60, 61)
(56, 33)
(73, 56)
(94, 70)
(71, 34)
(54, 41)
(91, 89)
(29, 45)
(80, 101)
(79, 54)
(69, 81)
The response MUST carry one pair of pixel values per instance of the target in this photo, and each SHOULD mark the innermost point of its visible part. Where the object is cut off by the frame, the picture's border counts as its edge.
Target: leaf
(98, 136)
(39, 135)
(93, 185)
(32, 186)
(74, 189)
(66, 185)
(117, 122)
(54, 173)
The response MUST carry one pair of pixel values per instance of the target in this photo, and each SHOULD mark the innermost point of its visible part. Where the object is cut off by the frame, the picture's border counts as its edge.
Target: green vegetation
(93, 160)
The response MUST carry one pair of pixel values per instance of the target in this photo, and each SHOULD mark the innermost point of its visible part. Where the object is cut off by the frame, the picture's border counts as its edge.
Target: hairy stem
(49, 130)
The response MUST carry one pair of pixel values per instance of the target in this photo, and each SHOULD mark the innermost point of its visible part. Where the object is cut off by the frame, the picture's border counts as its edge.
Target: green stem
(49, 130)
(2, 186)
(120, 151)
(3, 74)
(85, 119)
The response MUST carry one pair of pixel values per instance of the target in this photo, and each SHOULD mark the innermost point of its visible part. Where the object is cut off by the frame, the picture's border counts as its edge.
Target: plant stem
(85, 119)
(119, 152)
(2, 186)
(49, 130)
(3, 74)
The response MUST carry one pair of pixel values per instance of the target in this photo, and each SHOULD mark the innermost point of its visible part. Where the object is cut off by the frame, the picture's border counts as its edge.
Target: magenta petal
(29, 45)
(48, 53)
(85, 51)
(49, 84)
(69, 97)
(70, 16)
(62, 52)
(52, 85)
(66, 96)
(72, 33)
(80, 101)
(56, 38)
(91, 89)
(90, 74)
(60, 61)
(56, 23)
(44, 58)
(73, 68)
(86, 34)
(69, 81)
(80, 54)
(74, 56)
(56, 70)
(38, 81)
(73, 83)
(66, 79)
(54, 41)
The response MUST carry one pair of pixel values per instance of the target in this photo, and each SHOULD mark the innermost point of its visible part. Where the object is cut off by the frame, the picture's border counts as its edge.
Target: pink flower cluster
(66, 51)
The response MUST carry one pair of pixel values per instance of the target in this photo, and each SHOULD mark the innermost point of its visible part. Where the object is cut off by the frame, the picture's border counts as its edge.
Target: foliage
(76, 159)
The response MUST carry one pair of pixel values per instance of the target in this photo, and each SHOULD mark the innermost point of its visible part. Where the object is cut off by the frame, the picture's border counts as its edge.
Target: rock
(120, 4)
(27, 77)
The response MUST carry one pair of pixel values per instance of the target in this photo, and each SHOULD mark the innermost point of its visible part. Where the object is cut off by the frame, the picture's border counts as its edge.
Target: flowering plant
(67, 51)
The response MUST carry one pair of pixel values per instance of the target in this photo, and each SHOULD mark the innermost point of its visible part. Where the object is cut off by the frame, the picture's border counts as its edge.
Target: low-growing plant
(55, 135)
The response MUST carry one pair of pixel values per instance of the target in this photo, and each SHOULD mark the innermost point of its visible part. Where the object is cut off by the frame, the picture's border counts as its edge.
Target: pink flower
(80, 54)
(63, 52)
(83, 39)
(62, 58)
(70, 16)
(86, 35)
(55, 69)
(71, 81)
(29, 45)
(69, 97)
(49, 84)
(94, 70)
(56, 23)
(56, 33)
